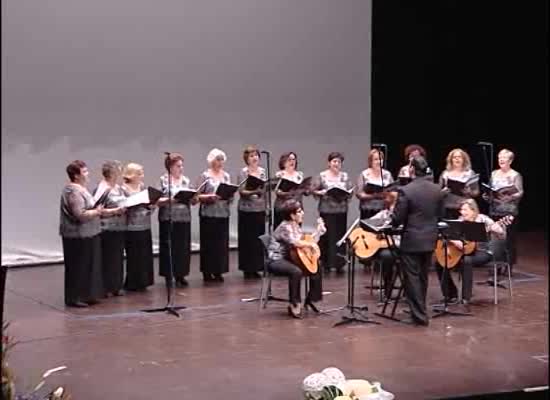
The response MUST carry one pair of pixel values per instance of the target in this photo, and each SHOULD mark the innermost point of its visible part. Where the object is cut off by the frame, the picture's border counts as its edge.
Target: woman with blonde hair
(458, 168)
(214, 216)
(138, 242)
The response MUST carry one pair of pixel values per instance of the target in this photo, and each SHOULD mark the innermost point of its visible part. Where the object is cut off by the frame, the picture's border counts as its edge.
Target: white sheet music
(135, 199)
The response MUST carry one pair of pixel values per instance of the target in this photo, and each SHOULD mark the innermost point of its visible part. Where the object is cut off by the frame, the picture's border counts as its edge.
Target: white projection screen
(130, 79)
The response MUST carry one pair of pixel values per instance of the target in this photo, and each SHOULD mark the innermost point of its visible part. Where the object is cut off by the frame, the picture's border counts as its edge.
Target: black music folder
(286, 185)
(145, 197)
(102, 199)
(404, 180)
(253, 183)
(226, 190)
(457, 186)
(506, 190)
(372, 188)
(339, 194)
(185, 195)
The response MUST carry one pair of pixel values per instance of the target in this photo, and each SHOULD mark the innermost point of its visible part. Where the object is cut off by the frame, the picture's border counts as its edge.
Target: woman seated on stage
(411, 151)
(469, 211)
(371, 203)
(333, 210)
(458, 168)
(506, 203)
(384, 255)
(285, 238)
(288, 169)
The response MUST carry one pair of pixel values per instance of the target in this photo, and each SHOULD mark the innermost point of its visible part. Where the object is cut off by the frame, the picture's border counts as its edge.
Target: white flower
(334, 375)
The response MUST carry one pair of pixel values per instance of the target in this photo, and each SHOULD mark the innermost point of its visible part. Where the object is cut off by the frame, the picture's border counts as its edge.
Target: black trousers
(82, 259)
(332, 256)
(214, 242)
(415, 280)
(284, 267)
(139, 260)
(181, 249)
(466, 265)
(251, 252)
(112, 260)
(386, 258)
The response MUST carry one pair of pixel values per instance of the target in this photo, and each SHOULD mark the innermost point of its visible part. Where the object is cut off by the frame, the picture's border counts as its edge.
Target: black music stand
(463, 231)
(380, 227)
(354, 313)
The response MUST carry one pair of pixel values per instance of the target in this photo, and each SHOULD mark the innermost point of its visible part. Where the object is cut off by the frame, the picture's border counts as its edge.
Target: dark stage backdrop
(130, 79)
(450, 73)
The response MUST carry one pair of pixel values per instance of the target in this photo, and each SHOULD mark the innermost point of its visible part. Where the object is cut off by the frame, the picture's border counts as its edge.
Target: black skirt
(112, 256)
(214, 242)
(251, 253)
(139, 260)
(82, 259)
(181, 249)
(331, 256)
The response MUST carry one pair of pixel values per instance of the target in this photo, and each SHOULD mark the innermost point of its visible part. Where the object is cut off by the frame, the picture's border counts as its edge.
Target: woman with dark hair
(214, 216)
(288, 169)
(180, 237)
(411, 151)
(333, 209)
(371, 203)
(251, 224)
(113, 227)
(285, 238)
(80, 229)
(139, 241)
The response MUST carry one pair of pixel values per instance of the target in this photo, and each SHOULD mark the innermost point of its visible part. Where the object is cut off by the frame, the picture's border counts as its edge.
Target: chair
(265, 291)
(499, 258)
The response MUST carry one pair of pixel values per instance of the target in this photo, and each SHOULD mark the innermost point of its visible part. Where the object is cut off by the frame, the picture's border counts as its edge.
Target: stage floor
(222, 348)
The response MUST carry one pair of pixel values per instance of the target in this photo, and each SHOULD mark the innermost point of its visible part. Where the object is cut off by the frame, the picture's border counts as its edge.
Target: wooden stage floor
(223, 348)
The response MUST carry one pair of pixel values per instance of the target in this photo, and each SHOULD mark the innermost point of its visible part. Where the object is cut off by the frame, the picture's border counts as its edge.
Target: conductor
(418, 208)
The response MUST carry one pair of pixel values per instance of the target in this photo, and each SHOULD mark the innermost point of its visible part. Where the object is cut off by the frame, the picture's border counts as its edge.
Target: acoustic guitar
(454, 254)
(307, 258)
(366, 243)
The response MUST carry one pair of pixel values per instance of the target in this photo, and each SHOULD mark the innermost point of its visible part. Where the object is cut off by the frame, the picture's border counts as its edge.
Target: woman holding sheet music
(459, 181)
(181, 223)
(411, 151)
(370, 184)
(138, 242)
(252, 207)
(214, 218)
(80, 227)
(508, 186)
(333, 190)
(288, 171)
(113, 227)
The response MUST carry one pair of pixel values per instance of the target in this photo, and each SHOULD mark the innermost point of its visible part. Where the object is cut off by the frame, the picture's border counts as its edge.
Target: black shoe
(118, 293)
(181, 282)
(340, 271)
(218, 278)
(415, 322)
(207, 277)
(77, 304)
(92, 302)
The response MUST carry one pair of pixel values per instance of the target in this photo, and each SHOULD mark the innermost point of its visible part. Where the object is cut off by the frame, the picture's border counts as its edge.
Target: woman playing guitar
(286, 238)
(469, 211)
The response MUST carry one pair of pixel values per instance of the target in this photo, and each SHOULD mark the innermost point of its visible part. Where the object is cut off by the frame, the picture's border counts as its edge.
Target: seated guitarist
(384, 255)
(288, 235)
(469, 211)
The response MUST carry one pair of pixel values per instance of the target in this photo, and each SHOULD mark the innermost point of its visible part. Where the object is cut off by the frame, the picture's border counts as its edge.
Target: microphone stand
(170, 308)
(489, 168)
(269, 208)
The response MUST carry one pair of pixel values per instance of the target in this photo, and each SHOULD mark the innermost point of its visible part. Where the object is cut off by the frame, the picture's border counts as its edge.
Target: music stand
(354, 313)
(463, 231)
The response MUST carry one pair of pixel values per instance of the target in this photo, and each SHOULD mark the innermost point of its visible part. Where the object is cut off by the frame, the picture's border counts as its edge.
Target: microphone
(379, 145)
(485, 144)
(265, 152)
(167, 153)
